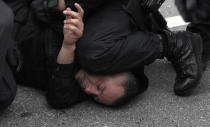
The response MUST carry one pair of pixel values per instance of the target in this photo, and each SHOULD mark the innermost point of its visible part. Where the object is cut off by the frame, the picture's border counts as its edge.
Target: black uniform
(7, 83)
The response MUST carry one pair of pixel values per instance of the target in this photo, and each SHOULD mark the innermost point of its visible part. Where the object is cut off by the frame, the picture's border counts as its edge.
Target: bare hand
(73, 25)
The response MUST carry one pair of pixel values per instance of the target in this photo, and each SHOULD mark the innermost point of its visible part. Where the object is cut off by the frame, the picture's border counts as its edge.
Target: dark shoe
(184, 50)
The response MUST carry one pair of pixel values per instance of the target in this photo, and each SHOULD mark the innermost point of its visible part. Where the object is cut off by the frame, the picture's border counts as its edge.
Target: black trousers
(199, 18)
(111, 42)
(204, 30)
(7, 83)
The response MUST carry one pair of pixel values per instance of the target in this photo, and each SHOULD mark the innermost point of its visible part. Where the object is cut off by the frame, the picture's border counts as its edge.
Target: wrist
(66, 54)
(69, 47)
(69, 41)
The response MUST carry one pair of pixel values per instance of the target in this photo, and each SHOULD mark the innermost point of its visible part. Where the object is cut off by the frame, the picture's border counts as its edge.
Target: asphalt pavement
(157, 107)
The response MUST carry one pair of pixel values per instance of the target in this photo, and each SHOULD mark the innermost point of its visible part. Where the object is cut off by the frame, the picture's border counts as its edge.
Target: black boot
(184, 50)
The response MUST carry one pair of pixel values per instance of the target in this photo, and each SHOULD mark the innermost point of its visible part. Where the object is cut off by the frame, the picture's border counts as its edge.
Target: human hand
(73, 25)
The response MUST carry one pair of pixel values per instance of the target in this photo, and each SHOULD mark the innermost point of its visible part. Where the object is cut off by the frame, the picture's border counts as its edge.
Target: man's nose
(92, 90)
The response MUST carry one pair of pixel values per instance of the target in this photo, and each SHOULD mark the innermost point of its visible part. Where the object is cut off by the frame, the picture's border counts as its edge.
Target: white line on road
(175, 21)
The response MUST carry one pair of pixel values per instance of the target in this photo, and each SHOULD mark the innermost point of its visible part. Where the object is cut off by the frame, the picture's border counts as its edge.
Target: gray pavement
(157, 107)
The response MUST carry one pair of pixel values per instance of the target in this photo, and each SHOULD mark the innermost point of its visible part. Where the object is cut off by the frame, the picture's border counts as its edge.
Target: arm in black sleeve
(63, 91)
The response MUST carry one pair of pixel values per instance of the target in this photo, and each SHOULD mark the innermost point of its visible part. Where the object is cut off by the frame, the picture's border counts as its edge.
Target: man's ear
(61, 5)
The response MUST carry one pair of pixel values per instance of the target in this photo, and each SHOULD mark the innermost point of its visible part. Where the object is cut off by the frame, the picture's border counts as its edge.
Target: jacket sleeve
(63, 91)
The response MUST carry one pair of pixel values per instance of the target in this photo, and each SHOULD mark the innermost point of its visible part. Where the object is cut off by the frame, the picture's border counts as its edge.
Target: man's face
(104, 89)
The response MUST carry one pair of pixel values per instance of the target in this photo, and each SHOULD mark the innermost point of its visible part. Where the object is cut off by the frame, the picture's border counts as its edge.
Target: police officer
(116, 41)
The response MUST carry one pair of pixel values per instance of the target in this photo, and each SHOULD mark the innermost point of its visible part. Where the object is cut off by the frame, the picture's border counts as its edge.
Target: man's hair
(132, 89)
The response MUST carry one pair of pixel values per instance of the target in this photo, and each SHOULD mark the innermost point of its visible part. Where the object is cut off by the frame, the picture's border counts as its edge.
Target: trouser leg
(197, 13)
(7, 83)
(204, 30)
(111, 43)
